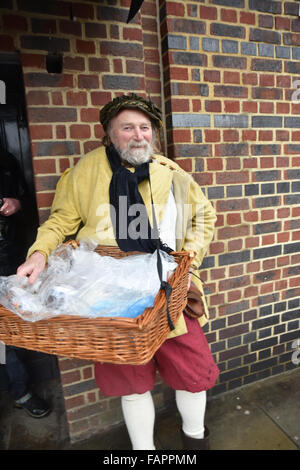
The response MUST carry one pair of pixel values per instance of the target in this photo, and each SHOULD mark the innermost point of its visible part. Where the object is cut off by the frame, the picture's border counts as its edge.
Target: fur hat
(131, 101)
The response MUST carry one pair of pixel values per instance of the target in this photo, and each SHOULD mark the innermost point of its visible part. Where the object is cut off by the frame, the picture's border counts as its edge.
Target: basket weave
(108, 339)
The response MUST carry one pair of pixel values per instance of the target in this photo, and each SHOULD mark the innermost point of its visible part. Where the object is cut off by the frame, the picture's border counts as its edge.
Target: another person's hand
(10, 206)
(33, 267)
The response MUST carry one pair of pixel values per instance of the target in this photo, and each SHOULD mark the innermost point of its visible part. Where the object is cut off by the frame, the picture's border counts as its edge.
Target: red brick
(248, 135)
(197, 106)
(89, 115)
(282, 108)
(213, 106)
(39, 114)
(216, 247)
(217, 273)
(247, 18)
(294, 282)
(181, 135)
(14, 22)
(283, 237)
(100, 98)
(282, 23)
(40, 132)
(234, 219)
(267, 162)
(34, 97)
(283, 261)
(233, 232)
(252, 242)
(174, 9)
(267, 214)
(178, 73)
(217, 299)
(44, 165)
(74, 63)
(178, 104)
(283, 213)
(234, 295)
(118, 66)
(233, 205)
(44, 199)
(214, 164)
(80, 131)
(85, 47)
(249, 107)
(283, 81)
(250, 163)
(70, 27)
(203, 178)
(64, 163)
(250, 78)
(73, 402)
(265, 135)
(132, 34)
(230, 135)
(61, 132)
(251, 291)
(266, 108)
(33, 60)
(7, 43)
(185, 164)
(229, 16)
(231, 106)
(208, 13)
(76, 98)
(234, 164)
(295, 162)
(57, 98)
(98, 131)
(212, 135)
(88, 81)
(231, 77)
(212, 76)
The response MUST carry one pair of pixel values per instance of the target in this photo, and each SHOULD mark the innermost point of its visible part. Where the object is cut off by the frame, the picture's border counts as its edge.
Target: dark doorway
(14, 138)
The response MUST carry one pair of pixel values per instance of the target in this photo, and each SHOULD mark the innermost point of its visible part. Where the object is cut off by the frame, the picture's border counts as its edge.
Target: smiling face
(131, 133)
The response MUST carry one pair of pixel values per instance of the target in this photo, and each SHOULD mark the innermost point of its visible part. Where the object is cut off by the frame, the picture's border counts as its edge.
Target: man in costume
(128, 167)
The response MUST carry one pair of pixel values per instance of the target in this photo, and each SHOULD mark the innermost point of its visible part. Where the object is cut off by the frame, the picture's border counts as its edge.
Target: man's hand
(10, 206)
(33, 267)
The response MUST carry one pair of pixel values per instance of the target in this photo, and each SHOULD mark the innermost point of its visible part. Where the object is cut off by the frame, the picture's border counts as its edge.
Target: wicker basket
(108, 339)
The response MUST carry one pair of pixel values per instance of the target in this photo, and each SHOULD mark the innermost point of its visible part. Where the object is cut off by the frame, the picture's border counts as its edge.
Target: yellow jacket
(81, 208)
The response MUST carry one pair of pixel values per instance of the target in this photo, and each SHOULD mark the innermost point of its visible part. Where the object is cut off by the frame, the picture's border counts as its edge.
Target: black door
(14, 137)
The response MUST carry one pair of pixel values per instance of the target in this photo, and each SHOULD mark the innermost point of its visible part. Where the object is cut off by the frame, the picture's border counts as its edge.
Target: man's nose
(138, 135)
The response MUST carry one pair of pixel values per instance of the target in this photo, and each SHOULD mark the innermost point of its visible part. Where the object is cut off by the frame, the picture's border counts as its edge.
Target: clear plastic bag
(80, 282)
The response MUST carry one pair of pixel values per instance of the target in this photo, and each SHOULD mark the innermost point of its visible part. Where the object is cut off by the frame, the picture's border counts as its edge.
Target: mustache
(144, 143)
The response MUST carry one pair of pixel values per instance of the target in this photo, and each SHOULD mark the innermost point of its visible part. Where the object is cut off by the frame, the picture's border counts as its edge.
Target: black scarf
(124, 184)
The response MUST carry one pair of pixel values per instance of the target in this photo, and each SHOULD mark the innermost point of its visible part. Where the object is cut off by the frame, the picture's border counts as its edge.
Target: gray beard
(137, 157)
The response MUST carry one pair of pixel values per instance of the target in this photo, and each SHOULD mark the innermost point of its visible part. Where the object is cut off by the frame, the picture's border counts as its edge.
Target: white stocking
(191, 407)
(139, 416)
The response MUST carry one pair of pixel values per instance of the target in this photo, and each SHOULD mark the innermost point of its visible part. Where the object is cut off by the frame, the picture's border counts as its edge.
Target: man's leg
(133, 384)
(35, 406)
(186, 364)
(191, 407)
(139, 416)
(17, 374)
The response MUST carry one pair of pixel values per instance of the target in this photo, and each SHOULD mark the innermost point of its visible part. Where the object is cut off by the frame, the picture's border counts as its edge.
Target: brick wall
(225, 72)
(230, 79)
